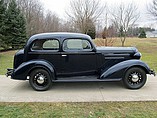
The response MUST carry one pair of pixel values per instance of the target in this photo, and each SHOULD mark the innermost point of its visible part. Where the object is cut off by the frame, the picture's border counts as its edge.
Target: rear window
(49, 44)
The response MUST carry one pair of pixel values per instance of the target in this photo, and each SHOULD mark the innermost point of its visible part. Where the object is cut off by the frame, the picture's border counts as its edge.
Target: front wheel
(40, 80)
(135, 78)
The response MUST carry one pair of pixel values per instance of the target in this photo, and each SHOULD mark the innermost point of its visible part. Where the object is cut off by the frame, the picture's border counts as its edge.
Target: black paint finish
(105, 63)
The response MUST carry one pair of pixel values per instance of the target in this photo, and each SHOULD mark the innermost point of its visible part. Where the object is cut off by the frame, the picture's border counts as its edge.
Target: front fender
(25, 68)
(118, 70)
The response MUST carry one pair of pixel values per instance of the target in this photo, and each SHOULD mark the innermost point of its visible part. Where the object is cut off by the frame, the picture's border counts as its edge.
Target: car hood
(129, 50)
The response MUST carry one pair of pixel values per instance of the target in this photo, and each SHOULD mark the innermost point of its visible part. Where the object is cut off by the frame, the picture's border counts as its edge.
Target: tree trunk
(123, 41)
(106, 42)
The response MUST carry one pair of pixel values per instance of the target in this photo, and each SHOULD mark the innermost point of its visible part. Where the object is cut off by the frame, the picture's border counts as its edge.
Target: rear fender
(118, 71)
(25, 69)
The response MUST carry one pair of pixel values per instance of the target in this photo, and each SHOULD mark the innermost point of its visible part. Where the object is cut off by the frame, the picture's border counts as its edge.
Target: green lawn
(6, 61)
(79, 110)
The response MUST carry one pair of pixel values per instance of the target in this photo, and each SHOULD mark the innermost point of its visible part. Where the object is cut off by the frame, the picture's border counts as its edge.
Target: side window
(37, 45)
(76, 45)
(51, 44)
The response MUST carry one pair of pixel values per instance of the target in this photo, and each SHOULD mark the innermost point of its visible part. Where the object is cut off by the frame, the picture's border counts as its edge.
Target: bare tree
(34, 14)
(124, 17)
(83, 11)
(152, 9)
(51, 22)
(37, 19)
(68, 26)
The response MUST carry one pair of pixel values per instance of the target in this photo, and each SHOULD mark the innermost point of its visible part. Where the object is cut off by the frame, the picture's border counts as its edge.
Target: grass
(6, 61)
(79, 110)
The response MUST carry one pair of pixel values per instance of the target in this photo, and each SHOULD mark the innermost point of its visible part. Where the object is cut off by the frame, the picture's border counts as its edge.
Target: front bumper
(9, 72)
(152, 72)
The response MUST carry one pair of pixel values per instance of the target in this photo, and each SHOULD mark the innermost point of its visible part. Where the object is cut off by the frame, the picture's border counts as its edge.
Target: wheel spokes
(40, 79)
(135, 78)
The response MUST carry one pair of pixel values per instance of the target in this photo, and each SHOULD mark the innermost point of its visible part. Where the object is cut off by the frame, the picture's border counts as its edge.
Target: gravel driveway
(20, 91)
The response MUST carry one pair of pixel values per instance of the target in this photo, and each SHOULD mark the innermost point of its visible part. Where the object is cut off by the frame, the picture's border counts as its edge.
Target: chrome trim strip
(114, 57)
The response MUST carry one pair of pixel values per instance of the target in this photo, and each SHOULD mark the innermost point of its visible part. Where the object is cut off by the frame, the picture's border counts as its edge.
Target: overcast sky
(59, 7)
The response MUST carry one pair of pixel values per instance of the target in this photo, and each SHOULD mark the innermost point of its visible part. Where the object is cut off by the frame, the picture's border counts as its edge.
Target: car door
(78, 57)
(48, 50)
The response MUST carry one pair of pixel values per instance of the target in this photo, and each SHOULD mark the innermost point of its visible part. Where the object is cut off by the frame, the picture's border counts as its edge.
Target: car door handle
(64, 55)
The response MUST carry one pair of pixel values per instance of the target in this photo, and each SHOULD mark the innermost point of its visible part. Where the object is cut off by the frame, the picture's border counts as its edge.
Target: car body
(73, 57)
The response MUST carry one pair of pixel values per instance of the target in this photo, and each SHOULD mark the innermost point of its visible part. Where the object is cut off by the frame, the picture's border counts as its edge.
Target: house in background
(151, 34)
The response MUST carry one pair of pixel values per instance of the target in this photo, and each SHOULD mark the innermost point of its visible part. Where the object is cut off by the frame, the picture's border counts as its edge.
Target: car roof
(58, 35)
(55, 35)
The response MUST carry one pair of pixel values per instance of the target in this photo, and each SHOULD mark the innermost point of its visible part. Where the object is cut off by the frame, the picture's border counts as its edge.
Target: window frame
(75, 50)
(44, 40)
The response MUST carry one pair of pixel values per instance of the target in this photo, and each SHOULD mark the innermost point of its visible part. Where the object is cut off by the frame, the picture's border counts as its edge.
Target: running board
(86, 80)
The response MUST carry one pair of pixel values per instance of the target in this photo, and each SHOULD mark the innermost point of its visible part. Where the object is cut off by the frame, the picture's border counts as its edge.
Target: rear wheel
(40, 80)
(135, 78)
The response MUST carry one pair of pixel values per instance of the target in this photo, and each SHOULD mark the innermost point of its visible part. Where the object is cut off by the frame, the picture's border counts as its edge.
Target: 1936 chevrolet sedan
(72, 57)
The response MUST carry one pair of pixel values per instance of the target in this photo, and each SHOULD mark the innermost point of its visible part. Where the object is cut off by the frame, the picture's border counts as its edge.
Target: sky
(59, 7)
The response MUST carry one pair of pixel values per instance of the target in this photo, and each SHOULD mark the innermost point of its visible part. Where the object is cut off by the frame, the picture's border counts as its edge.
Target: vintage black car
(72, 57)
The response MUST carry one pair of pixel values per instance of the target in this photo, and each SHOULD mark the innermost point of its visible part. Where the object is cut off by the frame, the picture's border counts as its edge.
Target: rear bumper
(9, 72)
(14, 75)
(152, 72)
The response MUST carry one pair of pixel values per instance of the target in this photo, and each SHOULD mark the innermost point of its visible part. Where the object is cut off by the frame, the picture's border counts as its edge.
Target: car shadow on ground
(86, 85)
(25, 86)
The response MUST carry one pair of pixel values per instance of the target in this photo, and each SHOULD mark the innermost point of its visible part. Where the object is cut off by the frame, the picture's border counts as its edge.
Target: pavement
(21, 91)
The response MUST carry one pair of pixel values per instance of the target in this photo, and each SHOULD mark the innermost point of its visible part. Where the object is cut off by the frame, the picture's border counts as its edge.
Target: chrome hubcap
(41, 79)
(135, 78)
